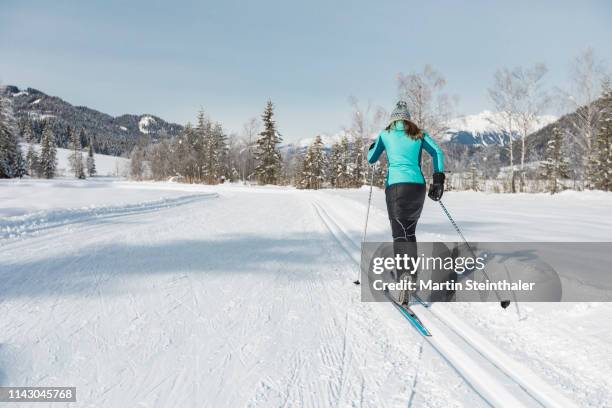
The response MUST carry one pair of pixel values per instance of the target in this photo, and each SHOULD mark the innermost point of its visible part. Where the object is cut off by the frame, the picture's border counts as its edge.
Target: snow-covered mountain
(113, 135)
(483, 129)
(328, 140)
(478, 129)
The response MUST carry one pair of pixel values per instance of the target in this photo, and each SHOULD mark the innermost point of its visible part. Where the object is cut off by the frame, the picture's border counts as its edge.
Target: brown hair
(411, 129)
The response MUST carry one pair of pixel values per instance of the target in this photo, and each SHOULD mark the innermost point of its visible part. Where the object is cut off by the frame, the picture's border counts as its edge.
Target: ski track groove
(335, 230)
(342, 238)
(389, 348)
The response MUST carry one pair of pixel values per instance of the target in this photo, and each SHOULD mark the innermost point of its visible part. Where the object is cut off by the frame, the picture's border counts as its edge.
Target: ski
(409, 315)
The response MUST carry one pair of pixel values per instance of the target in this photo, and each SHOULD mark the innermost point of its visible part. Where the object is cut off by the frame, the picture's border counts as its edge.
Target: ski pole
(365, 228)
(504, 303)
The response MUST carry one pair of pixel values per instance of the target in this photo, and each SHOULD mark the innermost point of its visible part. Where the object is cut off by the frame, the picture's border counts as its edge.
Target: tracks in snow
(24, 225)
(494, 376)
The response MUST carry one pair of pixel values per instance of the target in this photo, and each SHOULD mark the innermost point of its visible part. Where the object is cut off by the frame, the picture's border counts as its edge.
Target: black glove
(436, 189)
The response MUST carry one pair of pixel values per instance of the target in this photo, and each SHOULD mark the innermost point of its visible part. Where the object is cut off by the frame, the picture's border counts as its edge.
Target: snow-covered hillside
(161, 294)
(105, 165)
(144, 123)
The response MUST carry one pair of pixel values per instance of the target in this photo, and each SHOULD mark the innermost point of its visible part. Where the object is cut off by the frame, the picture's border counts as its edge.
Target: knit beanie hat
(400, 112)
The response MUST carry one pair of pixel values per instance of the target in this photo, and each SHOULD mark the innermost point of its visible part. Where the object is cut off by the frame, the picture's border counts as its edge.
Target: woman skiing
(405, 185)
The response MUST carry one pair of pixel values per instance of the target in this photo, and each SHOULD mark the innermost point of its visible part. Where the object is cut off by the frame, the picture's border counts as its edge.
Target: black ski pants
(404, 205)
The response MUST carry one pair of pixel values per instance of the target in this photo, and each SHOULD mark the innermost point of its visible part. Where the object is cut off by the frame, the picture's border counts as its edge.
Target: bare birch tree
(424, 92)
(366, 122)
(430, 106)
(504, 95)
(250, 130)
(531, 102)
(587, 75)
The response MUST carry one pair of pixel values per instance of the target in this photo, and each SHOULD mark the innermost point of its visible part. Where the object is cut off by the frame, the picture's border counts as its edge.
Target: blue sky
(229, 57)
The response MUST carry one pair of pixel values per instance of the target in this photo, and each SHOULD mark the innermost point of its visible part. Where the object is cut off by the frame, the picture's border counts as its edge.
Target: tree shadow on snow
(105, 268)
(446, 228)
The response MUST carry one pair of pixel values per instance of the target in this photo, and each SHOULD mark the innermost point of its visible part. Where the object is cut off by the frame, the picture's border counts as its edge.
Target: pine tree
(48, 153)
(313, 166)
(474, 176)
(221, 168)
(555, 165)
(31, 160)
(267, 155)
(11, 159)
(210, 150)
(83, 138)
(91, 162)
(334, 164)
(28, 134)
(184, 162)
(32, 163)
(201, 145)
(21, 169)
(602, 162)
(76, 156)
(359, 164)
(344, 168)
(380, 172)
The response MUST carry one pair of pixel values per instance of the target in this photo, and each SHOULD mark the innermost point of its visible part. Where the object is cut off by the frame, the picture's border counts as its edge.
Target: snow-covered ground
(161, 294)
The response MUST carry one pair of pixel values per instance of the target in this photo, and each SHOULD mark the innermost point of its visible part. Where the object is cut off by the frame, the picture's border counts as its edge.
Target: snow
(487, 122)
(144, 123)
(476, 124)
(124, 128)
(20, 93)
(328, 140)
(37, 101)
(164, 294)
(40, 116)
(105, 165)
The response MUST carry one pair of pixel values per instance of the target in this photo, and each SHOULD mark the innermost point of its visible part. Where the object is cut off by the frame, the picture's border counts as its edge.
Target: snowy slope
(187, 295)
(105, 165)
(144, 123)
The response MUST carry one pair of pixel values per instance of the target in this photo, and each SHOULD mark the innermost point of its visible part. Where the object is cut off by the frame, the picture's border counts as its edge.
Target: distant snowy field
(162, 294)
(105, 165)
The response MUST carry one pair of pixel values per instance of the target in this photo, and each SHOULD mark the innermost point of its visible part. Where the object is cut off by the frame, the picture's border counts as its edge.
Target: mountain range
(111, 135)
(118, 135)
(481, 129)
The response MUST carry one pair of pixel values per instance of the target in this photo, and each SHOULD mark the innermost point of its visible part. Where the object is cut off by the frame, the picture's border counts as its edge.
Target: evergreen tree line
(343, 166)
(12, 163)
(205, 154)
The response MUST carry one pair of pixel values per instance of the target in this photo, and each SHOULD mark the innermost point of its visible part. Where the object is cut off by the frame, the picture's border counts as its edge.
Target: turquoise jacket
(404, 155)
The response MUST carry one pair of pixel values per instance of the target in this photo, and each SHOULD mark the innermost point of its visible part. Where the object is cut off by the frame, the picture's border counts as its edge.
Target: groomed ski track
(496, 378)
